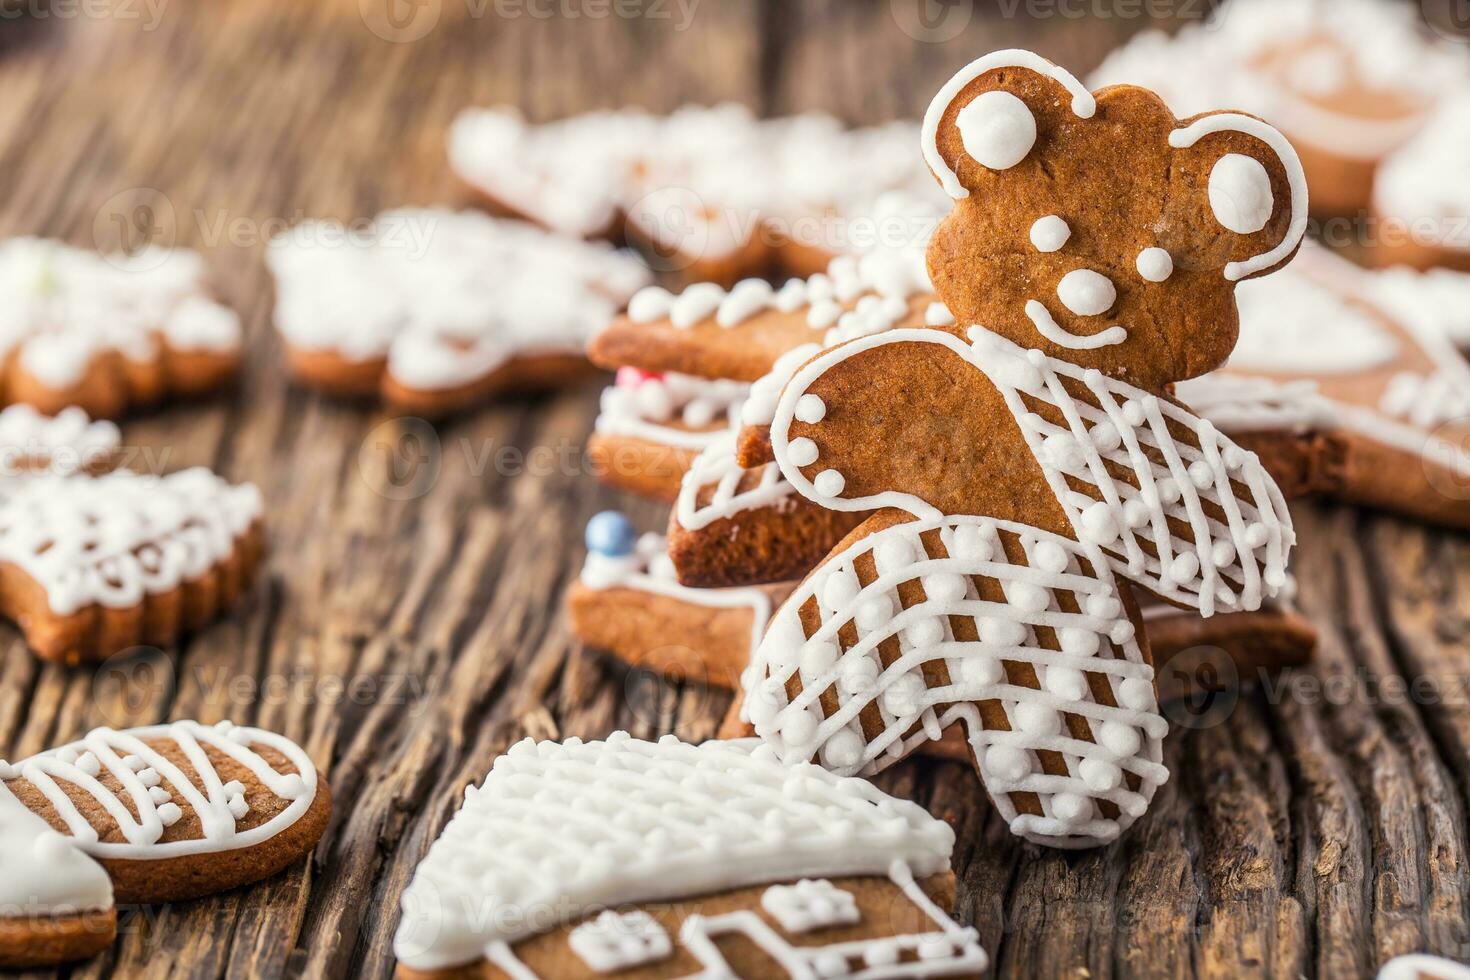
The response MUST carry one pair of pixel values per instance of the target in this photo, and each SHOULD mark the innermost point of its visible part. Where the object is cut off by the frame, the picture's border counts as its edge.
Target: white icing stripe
(147, 807)
(114, 539)
(716, 467)
(1296, 179)
(575, 826)
(1227, 565)
(1096, 639)
(44, 873)
(648, 569)
(1083, 104)
(1054, 332)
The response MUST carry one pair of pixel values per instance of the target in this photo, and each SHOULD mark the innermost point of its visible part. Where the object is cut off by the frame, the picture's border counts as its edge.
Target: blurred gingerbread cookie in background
(1349, 82)
(1420, 200)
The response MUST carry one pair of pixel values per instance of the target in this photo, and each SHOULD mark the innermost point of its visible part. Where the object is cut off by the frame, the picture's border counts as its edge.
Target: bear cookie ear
(1254, 190)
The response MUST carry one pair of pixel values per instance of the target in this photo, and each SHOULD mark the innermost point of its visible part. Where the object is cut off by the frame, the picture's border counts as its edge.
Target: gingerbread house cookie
(664, 859)
(109, 333)
(435, 310)
(1348, 81)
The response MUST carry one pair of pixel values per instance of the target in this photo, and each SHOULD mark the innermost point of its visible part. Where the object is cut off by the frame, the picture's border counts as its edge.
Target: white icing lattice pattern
(619, 940)
(154, 789)
(810, 904)
(644, 406)
(113, 539)
(445, 297)
(65, 307)
(890, 677)
(716, 487)
(577, 825)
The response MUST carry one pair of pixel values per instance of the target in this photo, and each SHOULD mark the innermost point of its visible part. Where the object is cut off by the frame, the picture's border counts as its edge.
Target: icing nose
(1086, 293)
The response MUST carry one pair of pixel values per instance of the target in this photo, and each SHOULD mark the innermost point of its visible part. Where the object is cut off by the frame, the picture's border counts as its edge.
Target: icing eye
(1155, 264)
(1086, 293)
(1240, 193)
(1050, 233)
(997, 129)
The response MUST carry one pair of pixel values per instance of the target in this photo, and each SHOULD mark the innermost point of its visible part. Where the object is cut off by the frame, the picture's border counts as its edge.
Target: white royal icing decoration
(65, 307)
(1421, 966)
(649, 569)
(1049, 233)
(1086, 293)
(1216, 525)
(810, 904)
(574, 826)
(646, 408)
(42, 872)
(1048, 327)
(884, 676)
(1155, 264)
(1240, 193)
(1083, 106)
(69, 442)
(154, 789)
(620, 940)
(997, 129)
(716, 487)
(444, 297)
(113, 539)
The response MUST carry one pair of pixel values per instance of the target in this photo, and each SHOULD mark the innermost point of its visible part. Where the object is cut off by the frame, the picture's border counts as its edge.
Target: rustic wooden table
(410, 628)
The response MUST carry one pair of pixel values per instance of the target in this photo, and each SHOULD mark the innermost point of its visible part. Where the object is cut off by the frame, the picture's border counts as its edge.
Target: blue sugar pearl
(611, 534)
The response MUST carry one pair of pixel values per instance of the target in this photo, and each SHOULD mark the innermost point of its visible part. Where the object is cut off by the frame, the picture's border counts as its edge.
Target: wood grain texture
(409, 624)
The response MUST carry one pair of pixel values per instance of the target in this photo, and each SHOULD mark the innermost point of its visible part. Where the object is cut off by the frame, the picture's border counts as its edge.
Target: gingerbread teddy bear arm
(921, 421)
(1097, 227)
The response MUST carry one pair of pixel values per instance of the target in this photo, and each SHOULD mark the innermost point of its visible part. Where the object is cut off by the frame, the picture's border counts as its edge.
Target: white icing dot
(944, 587)
(817, 657)
(1240, 193)
(1136, 513)
(149, 777)
(999, 631)
(892, 554)
(1257, 535)
(1222, 554)
(829, 483)
(1184, 567)
(292, 787)
(874, 612)
(1121, 632)
(1027, 596)
(170, 814)
(1071, 807)
(997, 129)
(1155, 264)
(1136, 694)
(1100, 775)
(696, 303)
(1067, 683)
(649, 303)
(1008, 762)
(840, 588)
(810, 409)
(1086, 293)
(1050, 556)
(159, 795)
(971, 543)
(823, 314)
(1133, 413)
(1105, 437)
(1099, 525)
(905, 696)
(1063, 452)
(843, 749)
(799, 727)
(1118, 738)
(924, 633)
(89, 763)
(1049, 233)
(1200, 474)
(1078, 641)
(857, 674)
(1103, 606)
(1168, 490)
(802, 451)
(1036, 718)
(978, 670)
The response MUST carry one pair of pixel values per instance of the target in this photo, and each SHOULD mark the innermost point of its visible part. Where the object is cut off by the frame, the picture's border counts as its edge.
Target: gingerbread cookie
(93, 565)
(712, 193)
(1419, 198)
(1023, 484)
(436, 310)
(56, 903)
(65, 444)
(1348, 81)
(1345, 382)
(652, 425)
(109, 333)
(660, 859)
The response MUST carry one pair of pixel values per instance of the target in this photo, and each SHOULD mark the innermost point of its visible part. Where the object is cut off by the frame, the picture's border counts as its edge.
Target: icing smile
(1054, 332)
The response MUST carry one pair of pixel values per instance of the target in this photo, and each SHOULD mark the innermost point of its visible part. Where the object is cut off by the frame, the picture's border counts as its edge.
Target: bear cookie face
(1098, 228)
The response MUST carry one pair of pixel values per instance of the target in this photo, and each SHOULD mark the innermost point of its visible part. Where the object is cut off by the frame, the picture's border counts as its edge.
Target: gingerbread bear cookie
(664, 859)
(94, 561)
(109, 333)
(157, 814)
(436, 311)
(1027, 470)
